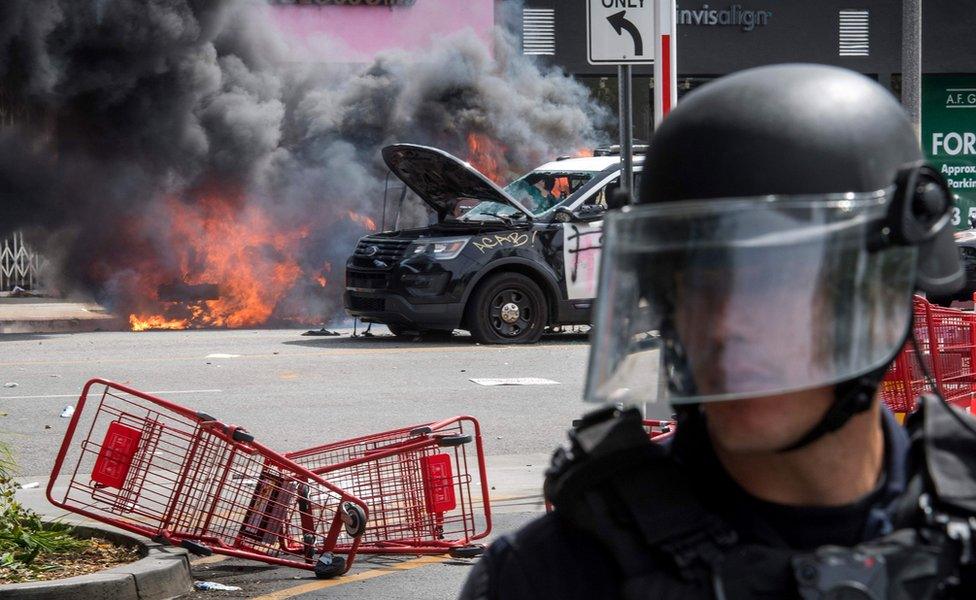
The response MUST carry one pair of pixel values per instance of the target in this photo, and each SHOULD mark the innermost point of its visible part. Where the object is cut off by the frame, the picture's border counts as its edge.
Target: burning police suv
(503, 263)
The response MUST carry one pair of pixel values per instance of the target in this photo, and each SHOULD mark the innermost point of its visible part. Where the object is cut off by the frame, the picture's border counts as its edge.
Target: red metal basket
(659, 430)
(426, 490)
(160, 470)
(947, 340)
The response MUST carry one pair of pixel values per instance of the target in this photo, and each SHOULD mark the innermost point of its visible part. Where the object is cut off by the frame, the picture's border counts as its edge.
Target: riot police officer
(762, 285)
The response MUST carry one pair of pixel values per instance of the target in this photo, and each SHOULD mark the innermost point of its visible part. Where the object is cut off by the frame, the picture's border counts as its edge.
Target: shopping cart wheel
(470, 551)
(453, 440)
(195, 548)
(329, 565)
(240, 435)
(354, 519)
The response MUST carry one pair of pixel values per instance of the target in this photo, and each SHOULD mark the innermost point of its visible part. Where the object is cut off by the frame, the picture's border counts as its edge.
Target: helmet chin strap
(850, 398)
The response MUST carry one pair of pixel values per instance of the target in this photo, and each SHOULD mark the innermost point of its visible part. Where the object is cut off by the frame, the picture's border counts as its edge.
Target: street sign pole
(626, 128)
(619, 34)
(665, 70)
(911, 61)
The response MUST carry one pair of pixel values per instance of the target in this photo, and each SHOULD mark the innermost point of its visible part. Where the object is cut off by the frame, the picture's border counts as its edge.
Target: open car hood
(442, 180)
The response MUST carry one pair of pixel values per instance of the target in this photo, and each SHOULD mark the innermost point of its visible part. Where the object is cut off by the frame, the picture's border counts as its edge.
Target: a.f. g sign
(949, 136)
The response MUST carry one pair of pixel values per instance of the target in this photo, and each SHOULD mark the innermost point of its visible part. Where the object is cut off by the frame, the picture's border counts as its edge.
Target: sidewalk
(52, 315)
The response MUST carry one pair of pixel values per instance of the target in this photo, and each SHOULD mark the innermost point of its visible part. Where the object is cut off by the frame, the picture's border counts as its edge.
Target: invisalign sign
(732, 16)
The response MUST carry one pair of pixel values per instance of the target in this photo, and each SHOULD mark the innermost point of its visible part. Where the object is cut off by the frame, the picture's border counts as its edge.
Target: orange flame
(487, 156)
(363, 220)
(252, 262)
(144, 322)
(583, 152)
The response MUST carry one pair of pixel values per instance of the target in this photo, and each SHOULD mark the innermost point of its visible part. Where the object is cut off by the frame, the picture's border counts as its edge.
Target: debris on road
(323, 331)
(213, 586)
(515, 381)
(29, 486)
(11, 384)
(67, 412)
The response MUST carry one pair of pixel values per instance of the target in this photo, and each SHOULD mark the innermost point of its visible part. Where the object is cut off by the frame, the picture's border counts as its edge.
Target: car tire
(507, 308)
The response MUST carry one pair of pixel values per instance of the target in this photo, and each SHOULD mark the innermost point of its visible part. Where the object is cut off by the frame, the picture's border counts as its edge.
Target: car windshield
(537, 191)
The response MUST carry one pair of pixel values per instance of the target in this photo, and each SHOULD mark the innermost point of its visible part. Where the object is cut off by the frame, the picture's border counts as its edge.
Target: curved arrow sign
(616, 31)
(619, 22)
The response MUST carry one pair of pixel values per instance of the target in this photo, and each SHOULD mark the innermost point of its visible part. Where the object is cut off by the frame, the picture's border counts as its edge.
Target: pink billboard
(340, 32)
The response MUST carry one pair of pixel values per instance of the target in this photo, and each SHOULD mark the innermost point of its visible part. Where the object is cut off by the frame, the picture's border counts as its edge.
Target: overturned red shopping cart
(157, 469)
(425, 486)
(947, 341)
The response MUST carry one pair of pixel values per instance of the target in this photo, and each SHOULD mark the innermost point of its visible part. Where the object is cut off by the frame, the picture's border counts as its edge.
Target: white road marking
(222, 356)
(516, 381)
(169, 392)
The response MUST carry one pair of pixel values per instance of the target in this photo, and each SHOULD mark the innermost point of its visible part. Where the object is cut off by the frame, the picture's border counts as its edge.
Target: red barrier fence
(947, 340)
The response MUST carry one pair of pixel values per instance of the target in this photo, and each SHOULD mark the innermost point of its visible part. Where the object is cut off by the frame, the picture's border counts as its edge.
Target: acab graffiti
(513, 239)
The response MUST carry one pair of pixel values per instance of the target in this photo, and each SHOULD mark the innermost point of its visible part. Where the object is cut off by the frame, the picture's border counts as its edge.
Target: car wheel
(507, 308)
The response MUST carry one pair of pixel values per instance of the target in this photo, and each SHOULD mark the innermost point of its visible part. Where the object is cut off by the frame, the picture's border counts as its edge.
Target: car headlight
(440, 249)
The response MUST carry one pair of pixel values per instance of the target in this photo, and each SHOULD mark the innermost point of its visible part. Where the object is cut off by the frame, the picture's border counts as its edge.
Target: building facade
(716, 38)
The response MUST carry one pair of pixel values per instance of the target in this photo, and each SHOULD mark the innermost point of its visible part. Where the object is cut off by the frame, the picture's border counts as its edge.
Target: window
(854, 30)
(538, 31)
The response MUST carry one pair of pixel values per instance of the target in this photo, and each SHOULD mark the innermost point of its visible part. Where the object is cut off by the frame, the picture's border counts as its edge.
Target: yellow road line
(344, 579)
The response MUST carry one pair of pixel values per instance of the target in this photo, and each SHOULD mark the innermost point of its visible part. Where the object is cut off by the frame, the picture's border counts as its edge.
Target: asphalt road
(292, 392)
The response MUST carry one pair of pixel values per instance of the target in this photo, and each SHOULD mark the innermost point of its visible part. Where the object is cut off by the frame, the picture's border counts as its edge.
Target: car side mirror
(618, 199)
(563, 215)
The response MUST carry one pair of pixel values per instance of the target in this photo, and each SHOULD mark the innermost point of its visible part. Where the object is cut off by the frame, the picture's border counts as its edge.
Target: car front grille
(366, 281)
(381, 249)
(366, 303)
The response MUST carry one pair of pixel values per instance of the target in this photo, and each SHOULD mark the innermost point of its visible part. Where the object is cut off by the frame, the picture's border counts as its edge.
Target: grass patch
(31, 549)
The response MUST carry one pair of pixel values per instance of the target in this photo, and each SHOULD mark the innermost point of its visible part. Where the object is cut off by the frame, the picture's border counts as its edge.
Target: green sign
(949, 137)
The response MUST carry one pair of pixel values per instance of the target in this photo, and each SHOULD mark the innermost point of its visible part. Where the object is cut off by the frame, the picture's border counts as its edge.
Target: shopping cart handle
(205, 417)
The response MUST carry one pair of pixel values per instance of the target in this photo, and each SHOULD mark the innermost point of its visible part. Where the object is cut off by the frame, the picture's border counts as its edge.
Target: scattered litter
(213, 586)
(222, 356)
(19, 292)
(322, 331)
(464, 370)
(67, 412)
(47, 427)
(11, 384)
(29, 486)
(515, 381)
(55, 375)
(4, 414)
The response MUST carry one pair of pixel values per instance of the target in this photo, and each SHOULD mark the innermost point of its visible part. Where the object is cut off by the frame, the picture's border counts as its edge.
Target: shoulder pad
(947, 440)
(600, 444)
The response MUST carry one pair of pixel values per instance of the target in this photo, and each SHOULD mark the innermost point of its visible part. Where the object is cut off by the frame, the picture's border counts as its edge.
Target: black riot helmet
(785, 217)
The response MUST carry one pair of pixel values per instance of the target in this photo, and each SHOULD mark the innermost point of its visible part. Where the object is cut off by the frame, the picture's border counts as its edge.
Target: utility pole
(911, 61)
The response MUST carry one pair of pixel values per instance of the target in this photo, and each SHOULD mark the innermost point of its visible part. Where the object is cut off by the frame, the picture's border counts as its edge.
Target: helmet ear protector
(920, 214)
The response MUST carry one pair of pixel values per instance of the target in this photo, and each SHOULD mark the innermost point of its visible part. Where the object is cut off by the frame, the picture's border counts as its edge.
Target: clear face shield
(740, 298)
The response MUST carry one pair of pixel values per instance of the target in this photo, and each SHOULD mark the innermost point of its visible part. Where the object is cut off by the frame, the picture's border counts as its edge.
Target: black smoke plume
(131, 130)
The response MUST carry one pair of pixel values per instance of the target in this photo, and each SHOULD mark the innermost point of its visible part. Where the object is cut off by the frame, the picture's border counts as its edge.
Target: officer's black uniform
(551, 558)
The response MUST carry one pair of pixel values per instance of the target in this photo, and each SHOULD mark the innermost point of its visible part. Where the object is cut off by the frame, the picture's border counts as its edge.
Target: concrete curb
(163, 572)
(71, 325)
